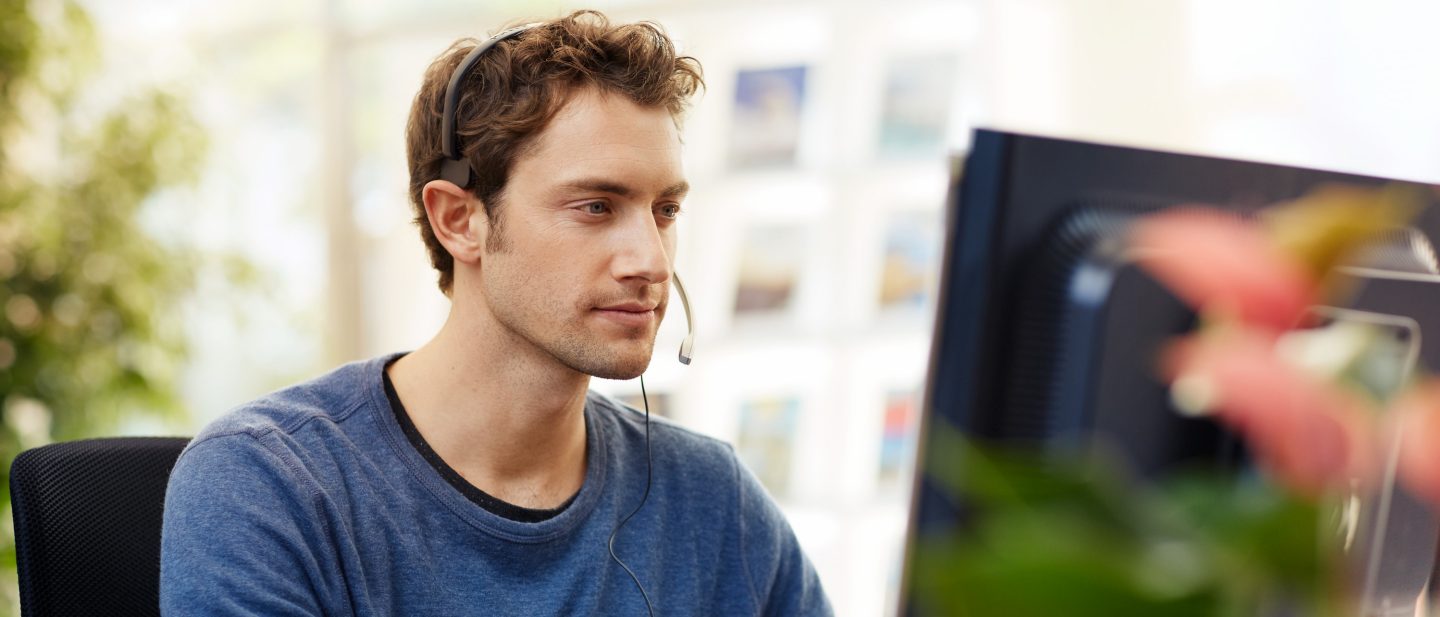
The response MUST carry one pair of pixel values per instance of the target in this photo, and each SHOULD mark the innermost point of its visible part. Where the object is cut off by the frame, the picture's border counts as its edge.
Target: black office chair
(87, 525)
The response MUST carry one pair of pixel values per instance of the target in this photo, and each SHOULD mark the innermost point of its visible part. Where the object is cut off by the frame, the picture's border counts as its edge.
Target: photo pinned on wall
(897, 439)
(915, 112)
(659, 402)
(765, 129)
(766, 439)
(770, 261)
(909, 272)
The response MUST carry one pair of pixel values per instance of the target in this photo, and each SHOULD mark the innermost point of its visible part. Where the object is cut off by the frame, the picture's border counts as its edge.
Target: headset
(456, 169)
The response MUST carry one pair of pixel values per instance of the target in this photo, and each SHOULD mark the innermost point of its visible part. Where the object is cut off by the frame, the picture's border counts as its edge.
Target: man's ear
(452, 212)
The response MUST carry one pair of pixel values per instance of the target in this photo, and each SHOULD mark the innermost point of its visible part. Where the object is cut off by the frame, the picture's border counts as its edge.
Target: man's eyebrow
(605, 186)
(678, 189)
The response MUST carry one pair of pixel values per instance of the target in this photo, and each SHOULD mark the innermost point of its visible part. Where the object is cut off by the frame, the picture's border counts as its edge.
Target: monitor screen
(1047, 336)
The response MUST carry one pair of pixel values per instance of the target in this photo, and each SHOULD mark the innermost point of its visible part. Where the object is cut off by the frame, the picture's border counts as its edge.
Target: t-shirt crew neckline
(470, 491)
(494, 524)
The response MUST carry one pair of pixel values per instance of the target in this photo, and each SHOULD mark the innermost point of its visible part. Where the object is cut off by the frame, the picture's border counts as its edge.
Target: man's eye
(670, 211)
(596, 208)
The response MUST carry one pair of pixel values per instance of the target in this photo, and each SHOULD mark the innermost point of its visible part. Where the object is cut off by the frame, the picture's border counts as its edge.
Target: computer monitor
(1047, 336)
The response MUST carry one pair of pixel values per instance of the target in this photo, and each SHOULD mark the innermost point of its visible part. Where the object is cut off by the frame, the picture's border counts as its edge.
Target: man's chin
(621, 370)
(619, 375)
(611, 366)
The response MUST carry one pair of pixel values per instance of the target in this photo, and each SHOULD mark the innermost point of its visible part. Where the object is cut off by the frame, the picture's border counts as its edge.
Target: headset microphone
(687, 345)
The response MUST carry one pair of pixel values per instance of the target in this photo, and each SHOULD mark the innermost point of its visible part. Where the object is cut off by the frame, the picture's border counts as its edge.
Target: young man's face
(587, 236)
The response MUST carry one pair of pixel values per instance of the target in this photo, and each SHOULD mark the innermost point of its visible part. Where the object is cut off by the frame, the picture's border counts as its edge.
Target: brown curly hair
(518, 86)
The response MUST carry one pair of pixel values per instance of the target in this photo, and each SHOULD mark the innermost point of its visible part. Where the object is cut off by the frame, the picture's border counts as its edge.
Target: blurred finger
(1214, 261)
(1308, 432)
(1417, 416)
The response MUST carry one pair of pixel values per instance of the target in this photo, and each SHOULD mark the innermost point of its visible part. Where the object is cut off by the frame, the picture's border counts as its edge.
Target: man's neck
(502, 413)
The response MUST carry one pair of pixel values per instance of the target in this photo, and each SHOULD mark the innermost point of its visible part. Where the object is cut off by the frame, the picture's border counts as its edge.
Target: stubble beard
(587, 352)
(575, 344)
(594, 359)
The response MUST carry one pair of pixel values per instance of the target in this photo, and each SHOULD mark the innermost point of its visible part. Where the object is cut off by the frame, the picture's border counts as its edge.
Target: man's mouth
(630, 307)
(630, 314)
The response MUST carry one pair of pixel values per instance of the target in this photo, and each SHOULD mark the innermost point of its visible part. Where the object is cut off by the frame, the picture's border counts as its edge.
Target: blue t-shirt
(311, 501)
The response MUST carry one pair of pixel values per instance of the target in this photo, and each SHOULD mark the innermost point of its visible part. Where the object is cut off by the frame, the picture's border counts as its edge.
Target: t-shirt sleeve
(783, 579)
(238, 534)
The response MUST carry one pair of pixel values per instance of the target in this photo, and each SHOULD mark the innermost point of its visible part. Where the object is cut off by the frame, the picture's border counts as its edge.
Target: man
(477, 475)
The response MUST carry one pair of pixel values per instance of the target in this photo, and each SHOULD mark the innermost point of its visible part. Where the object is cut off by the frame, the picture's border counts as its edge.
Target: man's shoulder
(331, 397)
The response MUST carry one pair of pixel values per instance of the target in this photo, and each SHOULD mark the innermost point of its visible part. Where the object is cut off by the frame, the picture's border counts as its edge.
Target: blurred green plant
(1053, 536)
(89, 331)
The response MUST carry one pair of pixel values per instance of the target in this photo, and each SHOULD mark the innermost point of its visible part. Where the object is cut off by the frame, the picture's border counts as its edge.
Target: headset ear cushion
(456, 171)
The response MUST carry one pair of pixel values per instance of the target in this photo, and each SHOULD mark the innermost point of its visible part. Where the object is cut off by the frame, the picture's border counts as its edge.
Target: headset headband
(455, 168)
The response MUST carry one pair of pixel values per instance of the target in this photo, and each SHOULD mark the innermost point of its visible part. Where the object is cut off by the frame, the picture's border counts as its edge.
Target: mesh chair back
(87, 525)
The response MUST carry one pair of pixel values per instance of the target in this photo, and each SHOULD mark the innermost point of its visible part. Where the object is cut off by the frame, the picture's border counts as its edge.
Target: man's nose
(641, 252)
